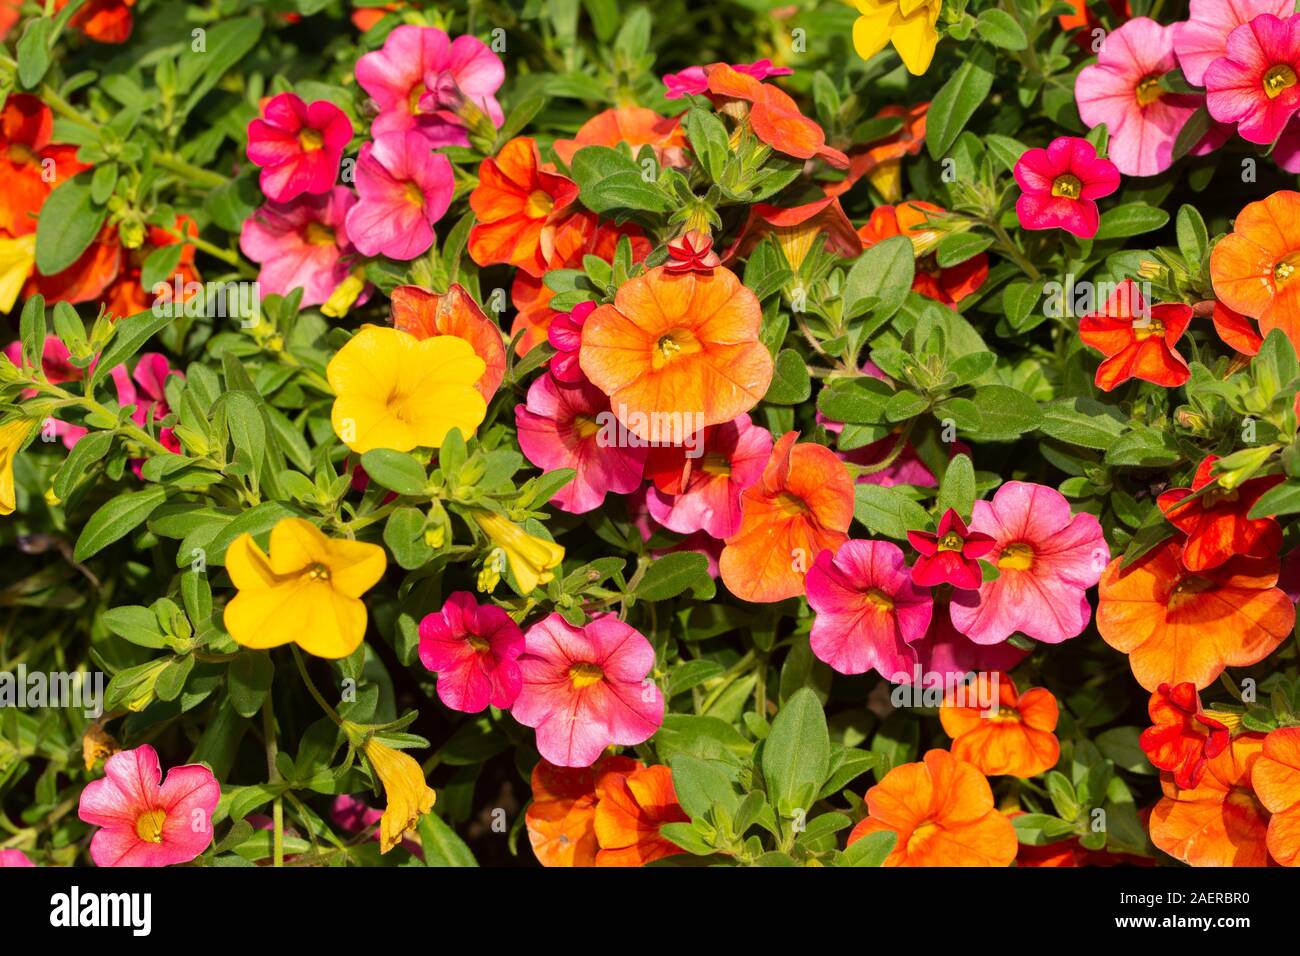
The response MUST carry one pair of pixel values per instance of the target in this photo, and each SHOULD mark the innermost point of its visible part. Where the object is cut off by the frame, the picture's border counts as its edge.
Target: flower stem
(273, 777)
(195, 174)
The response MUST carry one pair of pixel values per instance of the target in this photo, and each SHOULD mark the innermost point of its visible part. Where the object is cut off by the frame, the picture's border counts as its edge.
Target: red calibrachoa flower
(1275, 778)
(1062, 184)
(426, 314)
(950, 555)
(27, 157)
(773, 116)
(108, 21)
(1182, 737)
(1236, 330)
(691, 252)
(1138, 341)
(1217, 521)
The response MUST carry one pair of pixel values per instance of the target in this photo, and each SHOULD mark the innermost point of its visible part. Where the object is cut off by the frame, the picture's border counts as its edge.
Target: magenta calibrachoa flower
(868, 611)
(586, 688)
(145, 820)
(563, 426)
(404, 188)
(950, 655)
(298, 146)
(474, 650)
(1062, 184)
(301, 244)
(14, 858)
(949, 555)
(1255, 84)
(1046, 559)
(1203, 37)
(565, 333)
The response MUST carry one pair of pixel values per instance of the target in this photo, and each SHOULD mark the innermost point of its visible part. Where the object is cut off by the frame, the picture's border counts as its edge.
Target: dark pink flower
(474, 650)
(1062, 184)
(1255, 83)
(403, 189)
(947, 655)
(1203, 37)
(298, 146)
(14, 858)
(950, 555)
(565, 333)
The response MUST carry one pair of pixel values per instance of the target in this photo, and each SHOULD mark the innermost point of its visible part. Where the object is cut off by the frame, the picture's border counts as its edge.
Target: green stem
(273, 777)
(1012, 251)
(311, 687)
(195, 174)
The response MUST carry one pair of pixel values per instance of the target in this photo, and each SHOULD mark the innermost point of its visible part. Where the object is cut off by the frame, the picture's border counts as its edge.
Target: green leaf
(956, 103)
(34, 52)
(957, 490)
(116, 518)
(68, 224)
(225, 44)
(955, 248)
(702, 785)
(247, 426)
(1082, 421)
(609, 180)
(404, 535)
(129, 336)
(888, 512)
(249, 681)
(1193, 237)
(1001, 29)
(1005, 413)
(1130, 219)
(880, 279)
(672, 574)
(790, 382)
(796, 755)
(136, 624)
(871, 850)
(1283, 499)
(83, 456)
(396, 471)
(441, 845)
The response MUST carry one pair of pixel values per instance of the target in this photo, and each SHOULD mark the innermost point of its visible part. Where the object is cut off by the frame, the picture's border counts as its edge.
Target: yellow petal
(248, 565)
(263, 617)
(355, 566)
(915, 39)
(17, 259)
(333, 624)
(297, 544)
(12, 435)
(871, 32)
(408, 796)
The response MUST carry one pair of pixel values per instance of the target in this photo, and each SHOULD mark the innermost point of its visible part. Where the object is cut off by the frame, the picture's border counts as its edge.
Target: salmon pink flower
(634, 125)
(298, 146)
(1138, 341)
(422, 80)
(567, 426)
(145, 820)
(1046, 559)
(561, 819)
(1275, 778)
(1062, 184)
(1182, 737)
(1177, 625)
(403, 189)
(1254, 83)
(1014, 738)
(692, 252)
(474, 650)
(700, 490)
(942, 811)
(1203, 37)
(631, 808)
(587, 688)
(303, 244)
(868, 611)
(565, 334)
(1252, 267)
(26, 153)
(950, 554)
(426, 314)
(801, 506)
(1218, 523)
(772, 115)
(946, 284)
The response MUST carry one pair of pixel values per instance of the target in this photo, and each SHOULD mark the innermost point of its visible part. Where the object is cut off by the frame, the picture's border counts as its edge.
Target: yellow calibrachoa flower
(908, 24)
(12, 435)
(532, 559)
(396, 391)
(17, 259)
(306, 591)
(409, 797)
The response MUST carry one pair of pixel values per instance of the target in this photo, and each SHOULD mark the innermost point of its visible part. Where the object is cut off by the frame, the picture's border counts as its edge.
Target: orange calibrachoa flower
(634, 125)
(561, 820)
(948, 284)
(126, 296)
(801, 506)
(796, 230)
(882, 163)
(108, 21)
(519, 204)
(1276, 781)
(87, 278)
(1017, 740)
(1254, 268)
(425, 314)
(942, 810)
(677, 352)
(1137, 340)
(1236, 330)
(1217, 523)
(30, 165)
(1220, 822)
(772, 115)
(1183, 738)
(630, 809)
(1178, 625)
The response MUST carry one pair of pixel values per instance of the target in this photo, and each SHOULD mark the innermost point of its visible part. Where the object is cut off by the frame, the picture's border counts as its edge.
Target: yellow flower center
(672, 345)
(585, 426)
(879, 599)
(149, 825)
(318, 235)
(478, 643)
(921, 836)
(1283, 270)
(1067, 186)
(1186, 590)
(413, 195)
(1278, 78)
(1147, 329)
(951, 541)
(1017, 557)
(584, 675)
(539, 204)
(1148, 91)
(21, 155)
(414, 97)
(791, 504)
(310, 139)
(716, 464)
(318, 572)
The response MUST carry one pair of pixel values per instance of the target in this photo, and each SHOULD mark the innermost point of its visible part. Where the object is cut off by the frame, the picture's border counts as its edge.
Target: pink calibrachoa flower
(562, 426)
(145, 823)
(474, 650)
(145, 388)
(1255, 83)
(423, 81)
(1203, 37)
(404, 188)
(301, 244)
(587, 688)
(565, 333)
(14, 858)
(868, 611)
(1062, 184)
(1123, 91)
(949, 555)
(948, 655)
(1046, 559)
(693, 81)
(701, 491)
(298, 146)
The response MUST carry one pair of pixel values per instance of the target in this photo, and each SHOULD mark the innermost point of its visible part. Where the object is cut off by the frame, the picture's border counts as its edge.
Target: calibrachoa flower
(772, 115)
(948, 655)
(15, 859)
(427, 314)
(1236, 330)
(305, 591)
(1138, 340)
(302, 244)
(801, 506)
(798, 230)
(867, 609)
(1219, 822)
(13, 435)
(561, 819)
(1275, 778)
(587, 688)
(1254, 83)
(1253, 266)
(676, 352)
(1203, 37)
(942, 811)
(694, 80)
(565, 334)
(145, 820)
(569, 426)
(882, 163)
(1015, 737)
(691, 252)
(1178, 625)
(1046, 559)
(1062, 184)
(409, 797)
(107, 21)
(634, 125)
(699, 489)
(474, 650)
(126, 295)
(1182, 737)
(26, 127)
(950, 554)
(1217, 522)
(356, 816)
(396, 391)
(630, 810)
(946, 284)
(298, 146)
(404, 189)
(529, 559)
(908, 24)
